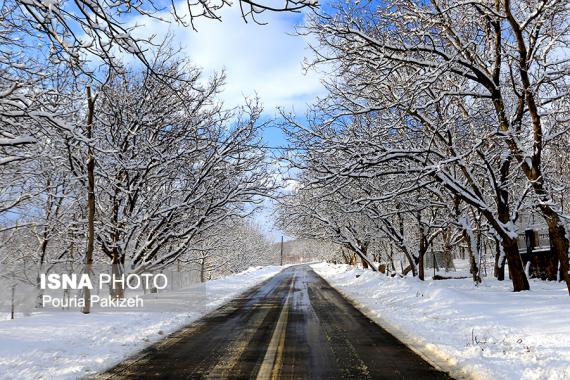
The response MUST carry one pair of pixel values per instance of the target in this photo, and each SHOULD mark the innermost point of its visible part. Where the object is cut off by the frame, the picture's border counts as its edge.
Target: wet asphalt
(292, 326)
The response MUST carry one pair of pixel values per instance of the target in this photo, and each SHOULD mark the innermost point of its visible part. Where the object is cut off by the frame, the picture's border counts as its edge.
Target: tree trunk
(447, 250)
(499, 271)
(412, 265)
(117, 289)
(203, 270)
(473, 268)
(421, 268)
(423, 247)
(43, 248)
(421, 257)
(559, 245)
(392, 258)
(90, 202)
(509, 244)
(13, 297)
(516, 270)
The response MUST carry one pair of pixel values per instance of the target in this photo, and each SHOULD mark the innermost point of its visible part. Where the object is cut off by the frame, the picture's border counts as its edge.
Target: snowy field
(487, 332)
(70, 345)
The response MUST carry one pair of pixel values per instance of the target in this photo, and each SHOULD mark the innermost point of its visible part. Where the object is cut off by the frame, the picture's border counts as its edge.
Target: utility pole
(281, 249)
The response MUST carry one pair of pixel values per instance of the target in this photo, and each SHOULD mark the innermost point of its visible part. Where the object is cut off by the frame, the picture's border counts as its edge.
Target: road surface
(292, 326)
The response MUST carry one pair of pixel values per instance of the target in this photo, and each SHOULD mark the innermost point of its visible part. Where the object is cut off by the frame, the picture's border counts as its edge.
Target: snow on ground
(484, 332)
(69, 345)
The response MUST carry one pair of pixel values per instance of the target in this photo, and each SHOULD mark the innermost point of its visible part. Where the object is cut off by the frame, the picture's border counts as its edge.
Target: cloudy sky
(263, 59)
(258, 59)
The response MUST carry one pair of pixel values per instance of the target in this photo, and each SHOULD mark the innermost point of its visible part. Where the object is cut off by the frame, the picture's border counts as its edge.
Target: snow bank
(485, 332)
(69, 345)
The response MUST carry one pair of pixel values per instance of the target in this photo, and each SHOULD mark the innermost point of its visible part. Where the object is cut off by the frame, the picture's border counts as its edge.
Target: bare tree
(172, 162)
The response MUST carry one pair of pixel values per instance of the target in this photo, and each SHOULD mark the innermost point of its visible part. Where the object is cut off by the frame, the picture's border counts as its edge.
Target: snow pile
(69, 345)
(485, 332)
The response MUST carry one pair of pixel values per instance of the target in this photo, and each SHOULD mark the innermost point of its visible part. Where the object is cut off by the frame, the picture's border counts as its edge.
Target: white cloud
(262, 59)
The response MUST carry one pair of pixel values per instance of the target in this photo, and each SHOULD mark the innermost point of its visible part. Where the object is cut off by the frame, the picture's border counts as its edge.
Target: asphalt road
(292, 326)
